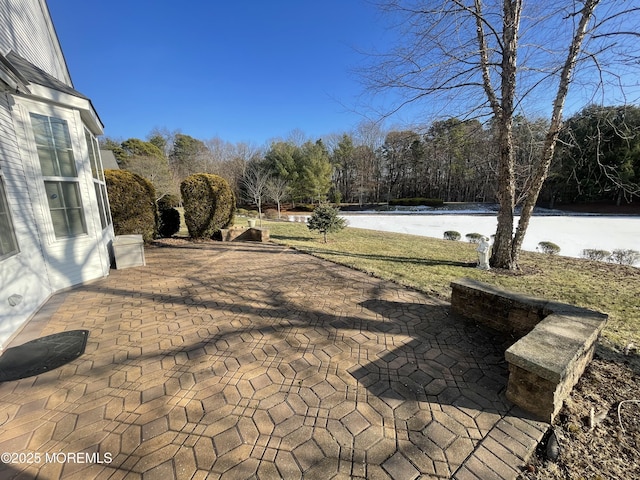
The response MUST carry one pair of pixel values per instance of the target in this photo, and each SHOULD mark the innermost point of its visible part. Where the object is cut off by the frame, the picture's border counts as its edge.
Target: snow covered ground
(572, 233)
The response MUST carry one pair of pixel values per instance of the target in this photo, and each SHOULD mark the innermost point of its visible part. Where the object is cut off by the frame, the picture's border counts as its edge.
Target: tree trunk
(542, 169)
(502, 255)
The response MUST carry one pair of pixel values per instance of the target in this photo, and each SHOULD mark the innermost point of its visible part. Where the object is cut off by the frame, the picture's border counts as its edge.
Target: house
(109, 161)
(55, 226)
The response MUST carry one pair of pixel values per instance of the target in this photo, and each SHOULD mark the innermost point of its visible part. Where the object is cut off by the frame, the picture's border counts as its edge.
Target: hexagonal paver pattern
(253, 361)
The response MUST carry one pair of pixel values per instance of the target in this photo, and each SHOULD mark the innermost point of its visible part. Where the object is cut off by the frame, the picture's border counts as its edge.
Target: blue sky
(249, 70)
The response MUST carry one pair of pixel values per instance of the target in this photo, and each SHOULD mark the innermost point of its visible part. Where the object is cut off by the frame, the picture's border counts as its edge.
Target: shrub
(325, 219)
(132, 201)
(169, 222)
(474, 237)
(305, 207)
(625, 257)
(451, 235)
(209, 204)
(335, 196)
(594, 254)
(168, 201)
(243, 212)
(549, 248)
(271, 213)
(417, 201)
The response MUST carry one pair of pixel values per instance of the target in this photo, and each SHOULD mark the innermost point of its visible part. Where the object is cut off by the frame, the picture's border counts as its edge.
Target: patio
(244, 360)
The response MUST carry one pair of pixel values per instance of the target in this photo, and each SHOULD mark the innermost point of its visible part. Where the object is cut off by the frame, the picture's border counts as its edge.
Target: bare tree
(277, 190)
(255, 183)
(297, 137)
(156, 170)
(494, 59)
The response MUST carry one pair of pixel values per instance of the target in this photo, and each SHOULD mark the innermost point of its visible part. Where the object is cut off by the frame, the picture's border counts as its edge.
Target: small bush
(306, 207)
(168, 201)
(242, 212)
(335, 196)
(132, 201)
(594, 254)
(209, 204)
(417, 201)
(169, 222)
(625, 257)
(549, 248)
(271, 213)
(451, 235)
(474, 237)
(325, 219)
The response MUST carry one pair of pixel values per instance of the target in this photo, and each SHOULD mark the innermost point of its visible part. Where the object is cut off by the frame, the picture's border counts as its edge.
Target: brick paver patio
(253, 361)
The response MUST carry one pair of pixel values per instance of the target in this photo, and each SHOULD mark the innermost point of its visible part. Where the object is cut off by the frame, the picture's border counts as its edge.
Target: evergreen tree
(325, 219)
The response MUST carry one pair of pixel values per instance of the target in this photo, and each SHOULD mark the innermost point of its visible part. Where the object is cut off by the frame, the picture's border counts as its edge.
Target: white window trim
(3, 195)
(59, 180)
(99, 181)
(74, 124)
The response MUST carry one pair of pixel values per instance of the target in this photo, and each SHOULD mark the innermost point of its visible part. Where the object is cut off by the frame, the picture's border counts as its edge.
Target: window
(8, 244)
(98, 178)
(58, 166)
(94, 156)
(54, 146)
(66, 208)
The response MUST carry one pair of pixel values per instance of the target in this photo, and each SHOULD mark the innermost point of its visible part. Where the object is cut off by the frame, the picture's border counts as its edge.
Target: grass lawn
(429, 265)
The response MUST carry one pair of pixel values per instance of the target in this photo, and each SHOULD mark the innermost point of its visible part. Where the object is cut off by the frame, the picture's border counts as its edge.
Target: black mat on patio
(42, 354)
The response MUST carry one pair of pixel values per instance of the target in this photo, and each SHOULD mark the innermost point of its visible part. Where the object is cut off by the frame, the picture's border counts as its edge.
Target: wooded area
(454, 160)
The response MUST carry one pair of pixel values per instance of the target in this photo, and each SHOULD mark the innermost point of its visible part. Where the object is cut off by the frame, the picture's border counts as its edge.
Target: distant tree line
(598, 159)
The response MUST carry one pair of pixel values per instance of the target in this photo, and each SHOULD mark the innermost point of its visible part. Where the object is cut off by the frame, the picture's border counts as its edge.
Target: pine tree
(325, 219)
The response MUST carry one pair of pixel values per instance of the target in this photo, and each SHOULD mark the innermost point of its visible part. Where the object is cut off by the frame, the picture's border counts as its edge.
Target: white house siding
(27, 30)
(25, 273)
(45, 264)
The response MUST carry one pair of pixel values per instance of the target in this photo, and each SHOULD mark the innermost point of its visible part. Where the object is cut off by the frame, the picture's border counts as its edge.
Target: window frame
(60, 180)
(99, 182)
(4, 203)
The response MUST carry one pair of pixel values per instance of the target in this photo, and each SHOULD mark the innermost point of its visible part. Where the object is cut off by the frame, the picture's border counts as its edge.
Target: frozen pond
(572, 233)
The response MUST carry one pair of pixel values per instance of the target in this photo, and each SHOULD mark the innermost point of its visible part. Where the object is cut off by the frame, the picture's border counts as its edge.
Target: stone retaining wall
(554, 341)
(250, 234)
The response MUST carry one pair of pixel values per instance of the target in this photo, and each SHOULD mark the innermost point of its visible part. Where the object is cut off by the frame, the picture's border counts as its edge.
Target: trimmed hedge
(132, 201)
(549, 248)
(474, 237)
(209, 204)
(595, 254)
(452, 235)
(168, 201)
(169, 217)
(417, 201)
(169, 222)
(625, 256)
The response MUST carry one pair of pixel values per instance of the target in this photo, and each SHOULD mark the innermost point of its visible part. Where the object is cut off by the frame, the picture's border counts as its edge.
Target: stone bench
(554, 341)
